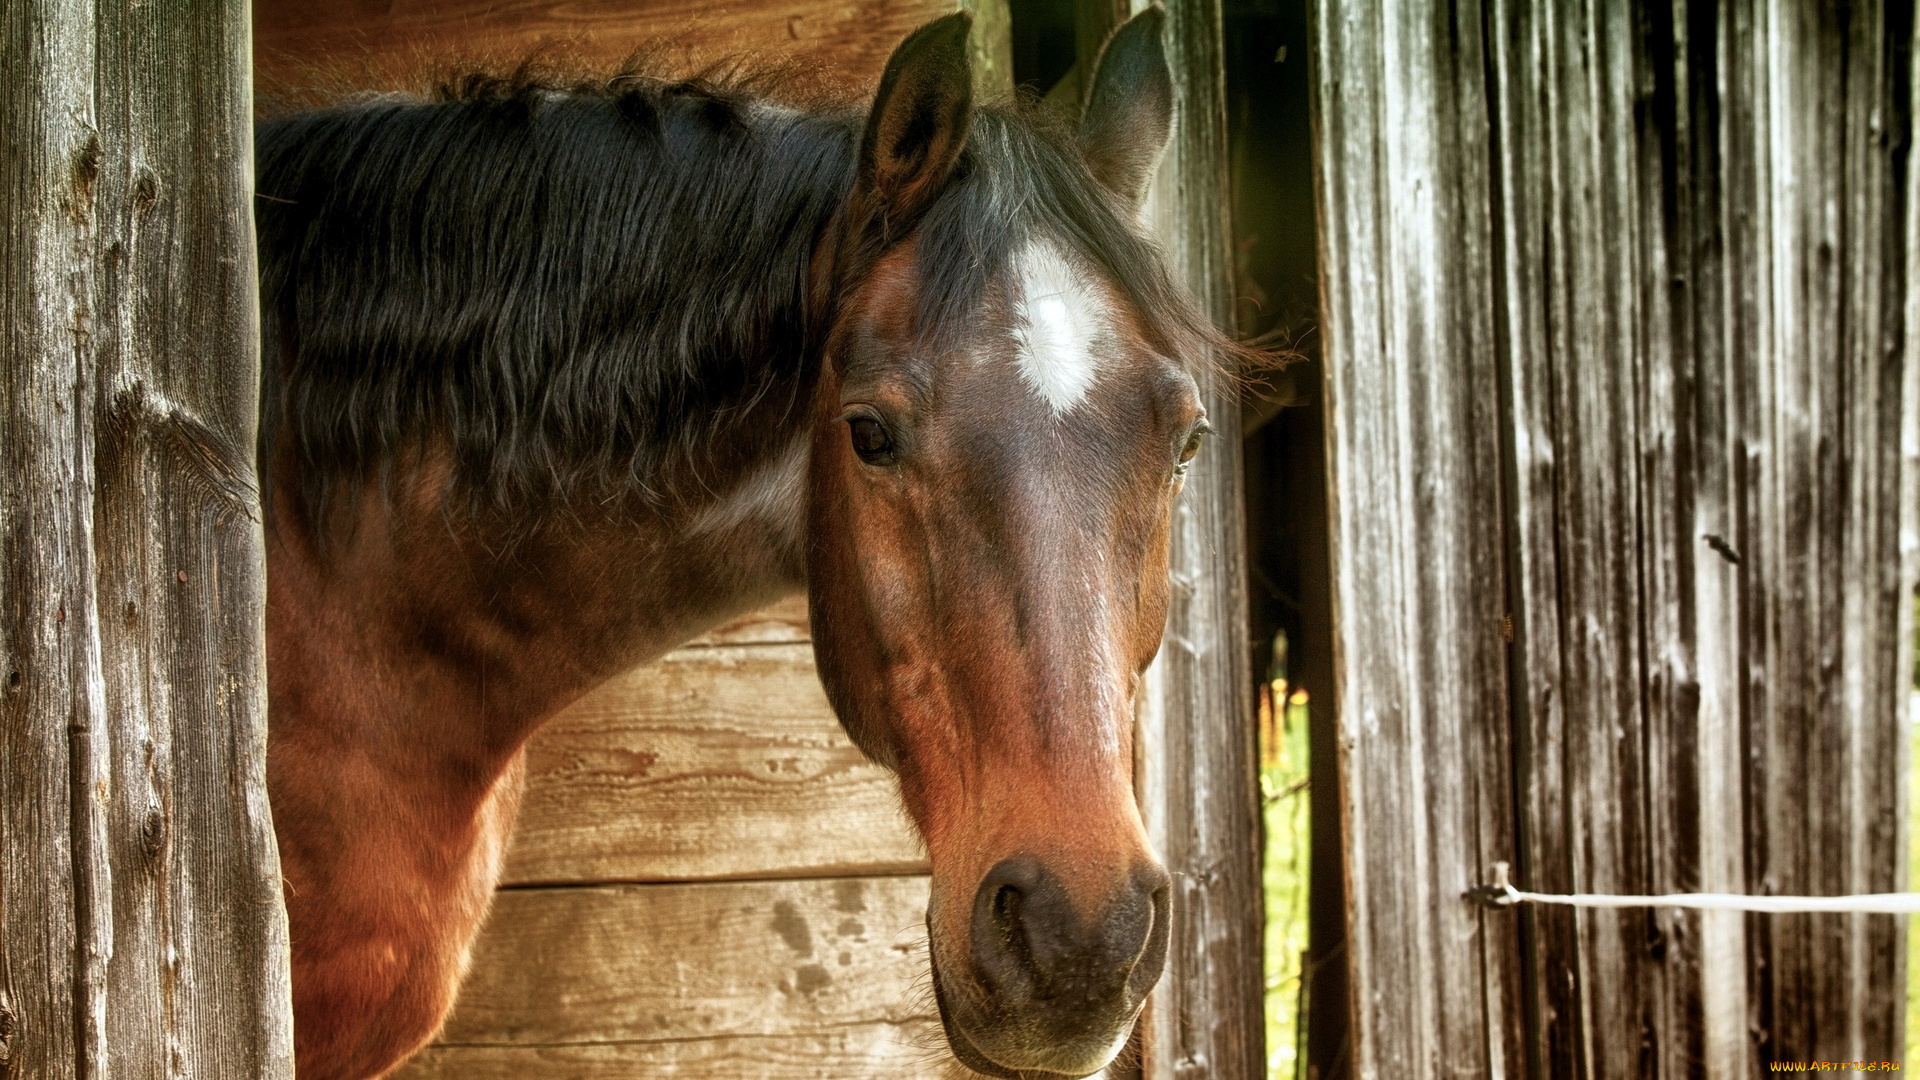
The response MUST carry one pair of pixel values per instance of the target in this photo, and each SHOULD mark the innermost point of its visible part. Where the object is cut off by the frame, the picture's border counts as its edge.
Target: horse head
(1009, 408)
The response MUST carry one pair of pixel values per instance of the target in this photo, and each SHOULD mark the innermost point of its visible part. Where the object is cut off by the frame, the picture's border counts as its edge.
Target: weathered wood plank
(872, 1051)
(1695, 693)
(990, 48)
(1415, 483)
(1194, 739)
(49, 707)
(327, 45)
(642, 963)
(141, 926)
(1821, 586)
(1905, 626)
(1599, 505)
(1697, 286)
(711, 763)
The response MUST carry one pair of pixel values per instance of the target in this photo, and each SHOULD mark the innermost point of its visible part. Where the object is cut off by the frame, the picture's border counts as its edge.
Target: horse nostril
(1054, 984)
(1030, 944)
(1006, 908)
(1002, 950)
(1005, 912)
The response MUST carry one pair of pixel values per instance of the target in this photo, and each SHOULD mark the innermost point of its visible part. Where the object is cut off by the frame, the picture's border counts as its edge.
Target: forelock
(1022, 182)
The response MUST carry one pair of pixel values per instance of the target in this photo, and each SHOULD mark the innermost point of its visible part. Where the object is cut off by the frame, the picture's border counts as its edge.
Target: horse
(558, 375)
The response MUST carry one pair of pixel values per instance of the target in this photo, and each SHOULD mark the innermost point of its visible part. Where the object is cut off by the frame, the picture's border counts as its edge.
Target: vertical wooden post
(1196, 758)
(142, 932)
(990, 48)
(51, 951)
(1906, 626)
(1818, 416)
(1414, 484)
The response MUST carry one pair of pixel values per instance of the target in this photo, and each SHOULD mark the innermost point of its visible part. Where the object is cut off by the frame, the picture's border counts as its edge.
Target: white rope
(1502, 894)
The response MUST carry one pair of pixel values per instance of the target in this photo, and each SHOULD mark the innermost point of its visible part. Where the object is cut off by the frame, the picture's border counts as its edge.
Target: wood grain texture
(1611, 793)
(1414, 482)
(141, 926)
(1677, 234)
(1194, 739)
(895, 1051)
(627, 964)
(1708, 498)
(1906, 627)
(51, 705)
(305, 45)
(1817, 420)
(720, 762)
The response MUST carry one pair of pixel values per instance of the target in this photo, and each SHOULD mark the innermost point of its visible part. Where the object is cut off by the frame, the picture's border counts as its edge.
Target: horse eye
(871, 441)
(1192, 446)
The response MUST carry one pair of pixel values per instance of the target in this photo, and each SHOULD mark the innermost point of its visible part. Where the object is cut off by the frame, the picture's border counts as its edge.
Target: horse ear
(917, 127)
(1129, 114)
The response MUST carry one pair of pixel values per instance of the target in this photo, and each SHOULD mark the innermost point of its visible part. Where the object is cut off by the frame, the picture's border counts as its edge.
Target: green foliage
(1913, 876)
(1913, 849)
(1286, 874)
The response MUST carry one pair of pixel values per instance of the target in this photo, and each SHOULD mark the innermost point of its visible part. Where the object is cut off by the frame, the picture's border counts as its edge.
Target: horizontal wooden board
(910, 1051)
(302, 45)
(644, 963)
(720, 762)
(781, 621)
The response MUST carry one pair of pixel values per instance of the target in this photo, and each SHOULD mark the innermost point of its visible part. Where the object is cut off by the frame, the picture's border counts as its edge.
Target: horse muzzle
(1048, 992)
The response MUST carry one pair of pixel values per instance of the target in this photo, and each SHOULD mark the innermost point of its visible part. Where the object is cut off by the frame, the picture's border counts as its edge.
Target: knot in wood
(146, 190)
(86, 170)
(153, 835)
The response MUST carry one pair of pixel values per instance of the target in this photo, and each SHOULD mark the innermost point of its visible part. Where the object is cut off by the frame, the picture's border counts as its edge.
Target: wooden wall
(306, 46)
(708, 880)
(142, 933)
(1622, 398)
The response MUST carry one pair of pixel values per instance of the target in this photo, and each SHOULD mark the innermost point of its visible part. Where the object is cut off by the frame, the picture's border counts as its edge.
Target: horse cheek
(845, 641)
(1153, 593)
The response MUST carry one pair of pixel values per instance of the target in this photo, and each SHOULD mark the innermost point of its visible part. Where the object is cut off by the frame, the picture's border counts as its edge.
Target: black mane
(572, 288)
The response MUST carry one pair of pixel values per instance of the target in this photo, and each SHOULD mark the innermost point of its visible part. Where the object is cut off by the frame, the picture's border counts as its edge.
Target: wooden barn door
(1625, 434)
(141, 927)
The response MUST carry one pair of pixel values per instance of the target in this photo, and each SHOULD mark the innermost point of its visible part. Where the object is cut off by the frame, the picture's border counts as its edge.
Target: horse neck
(423, 639)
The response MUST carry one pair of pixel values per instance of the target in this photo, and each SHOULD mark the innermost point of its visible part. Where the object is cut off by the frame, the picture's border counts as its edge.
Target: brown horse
(560, 376)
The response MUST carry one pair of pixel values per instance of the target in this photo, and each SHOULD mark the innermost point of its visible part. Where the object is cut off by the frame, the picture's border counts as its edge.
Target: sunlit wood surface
(808, 978)
(708, 880)
(713, 763)
(329, 45)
